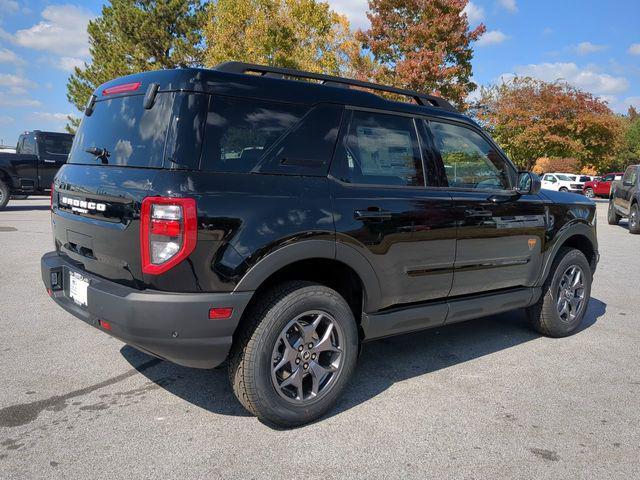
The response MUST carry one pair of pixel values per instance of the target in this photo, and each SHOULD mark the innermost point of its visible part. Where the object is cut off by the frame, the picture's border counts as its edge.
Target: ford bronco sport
(278, 219)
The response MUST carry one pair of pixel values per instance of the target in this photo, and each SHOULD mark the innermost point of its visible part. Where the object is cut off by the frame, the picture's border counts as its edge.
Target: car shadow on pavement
(381, 364)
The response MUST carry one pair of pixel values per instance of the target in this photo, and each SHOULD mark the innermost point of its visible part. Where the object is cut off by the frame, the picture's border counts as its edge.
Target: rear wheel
(295, 354)
(4, 194)
(564, 189)
(565, 295)
(612, 216)
(634, 219)
(589, 193)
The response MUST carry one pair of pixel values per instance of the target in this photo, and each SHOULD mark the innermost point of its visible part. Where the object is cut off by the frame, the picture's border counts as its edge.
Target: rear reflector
(125, 87)
(220, 313)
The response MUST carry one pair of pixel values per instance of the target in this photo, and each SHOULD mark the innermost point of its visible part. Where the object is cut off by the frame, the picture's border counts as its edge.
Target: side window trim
(429, 119)
(343, 133)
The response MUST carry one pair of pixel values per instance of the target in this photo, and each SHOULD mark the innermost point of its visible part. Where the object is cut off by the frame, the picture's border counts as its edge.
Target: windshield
(56, 144)
(129, 134)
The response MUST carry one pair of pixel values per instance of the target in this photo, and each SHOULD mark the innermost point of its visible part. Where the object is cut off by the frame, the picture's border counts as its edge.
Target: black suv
(278, 219)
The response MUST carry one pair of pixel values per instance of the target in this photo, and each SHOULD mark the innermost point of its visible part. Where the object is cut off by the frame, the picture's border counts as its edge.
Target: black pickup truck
(624, 198)
(30, 171)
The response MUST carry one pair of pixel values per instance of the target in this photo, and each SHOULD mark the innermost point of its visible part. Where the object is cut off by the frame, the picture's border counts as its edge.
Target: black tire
(563, 189)
(4, 194)
(612, 216)
(544, 315)
(251, 363)
(589, 193)
(634, 219)
(19, 197)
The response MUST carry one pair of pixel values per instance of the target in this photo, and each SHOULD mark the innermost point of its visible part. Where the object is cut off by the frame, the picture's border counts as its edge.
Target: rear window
(59, 144)
(132, 136)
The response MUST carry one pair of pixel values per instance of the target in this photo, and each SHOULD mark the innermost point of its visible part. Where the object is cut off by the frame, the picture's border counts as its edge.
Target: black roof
(224, 80)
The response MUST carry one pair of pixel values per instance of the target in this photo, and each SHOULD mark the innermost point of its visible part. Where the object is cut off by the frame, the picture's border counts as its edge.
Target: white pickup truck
(562, 182)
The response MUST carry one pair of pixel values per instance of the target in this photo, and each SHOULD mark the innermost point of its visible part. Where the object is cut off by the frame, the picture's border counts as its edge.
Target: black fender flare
(569, 230)
(314, 249)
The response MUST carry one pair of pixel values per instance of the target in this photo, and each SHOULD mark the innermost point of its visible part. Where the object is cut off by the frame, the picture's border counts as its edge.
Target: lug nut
(297, 361)
(310, 345)
(305, 366)
(300, 348)
(313, 356)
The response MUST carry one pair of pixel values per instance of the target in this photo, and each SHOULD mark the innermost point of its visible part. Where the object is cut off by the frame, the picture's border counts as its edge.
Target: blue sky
(592, 44)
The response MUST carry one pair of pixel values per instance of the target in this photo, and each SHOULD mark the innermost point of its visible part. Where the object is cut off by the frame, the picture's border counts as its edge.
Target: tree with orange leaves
(531, 119)
(423, 45)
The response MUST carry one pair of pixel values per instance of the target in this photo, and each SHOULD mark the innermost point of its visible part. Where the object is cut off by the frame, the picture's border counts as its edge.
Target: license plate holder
(78, 286)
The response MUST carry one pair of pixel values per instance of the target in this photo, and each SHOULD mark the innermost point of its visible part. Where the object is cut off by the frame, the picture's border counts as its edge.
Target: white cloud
(634, 49)
(585, 48)
(10, 100)
(6, 119)
(50, 117)
(354, 10)
(492, 38)
(63, 31)
(69, 63)
(15, 81)
(509, 5)
(588, 78)
(475, 13)
(547, 31)
(9, 56)
(8, 6)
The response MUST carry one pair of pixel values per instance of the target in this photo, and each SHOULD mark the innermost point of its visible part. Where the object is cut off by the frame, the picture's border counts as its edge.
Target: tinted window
(56, 144)
(379, 149)
(585, 179)
(239, 132)
(308, 147)
(186, 131)
(608, 178)
(469, 160)
(630, 176)
(29, 145)
(131, 135)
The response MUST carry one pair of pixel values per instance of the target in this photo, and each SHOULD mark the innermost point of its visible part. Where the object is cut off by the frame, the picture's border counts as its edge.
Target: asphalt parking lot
(483, 399)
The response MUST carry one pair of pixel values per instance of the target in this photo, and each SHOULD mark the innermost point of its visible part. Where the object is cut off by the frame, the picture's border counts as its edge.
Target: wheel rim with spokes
(571, 293)
(589, 193)
(633, 218)
(307, 357)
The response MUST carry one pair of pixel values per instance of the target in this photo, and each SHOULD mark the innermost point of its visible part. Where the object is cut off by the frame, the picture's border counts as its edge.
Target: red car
(601, 188)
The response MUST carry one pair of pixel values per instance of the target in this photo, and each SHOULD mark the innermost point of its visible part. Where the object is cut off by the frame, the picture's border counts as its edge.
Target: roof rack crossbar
(278, 72)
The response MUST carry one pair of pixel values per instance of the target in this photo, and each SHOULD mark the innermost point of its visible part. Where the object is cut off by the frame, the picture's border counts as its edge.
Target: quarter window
(380, 149)
(239, 132)
(470, 161)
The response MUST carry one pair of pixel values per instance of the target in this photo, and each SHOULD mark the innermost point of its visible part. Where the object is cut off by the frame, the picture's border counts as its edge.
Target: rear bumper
(172, 326)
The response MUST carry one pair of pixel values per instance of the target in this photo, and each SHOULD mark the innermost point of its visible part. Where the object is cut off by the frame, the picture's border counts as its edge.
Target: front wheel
(563, 189)
(295, 354)
(634, 219)
(565, 295)
(4, 194)
(589, 193)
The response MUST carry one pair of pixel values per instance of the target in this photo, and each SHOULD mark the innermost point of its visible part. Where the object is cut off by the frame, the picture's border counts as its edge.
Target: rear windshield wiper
(100, 153)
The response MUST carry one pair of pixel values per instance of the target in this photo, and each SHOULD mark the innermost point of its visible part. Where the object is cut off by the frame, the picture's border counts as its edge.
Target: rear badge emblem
(532, 243)
(82, 206)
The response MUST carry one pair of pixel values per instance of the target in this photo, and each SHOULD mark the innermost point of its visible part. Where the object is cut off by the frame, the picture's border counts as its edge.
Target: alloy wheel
(307, 357)
(571, 293)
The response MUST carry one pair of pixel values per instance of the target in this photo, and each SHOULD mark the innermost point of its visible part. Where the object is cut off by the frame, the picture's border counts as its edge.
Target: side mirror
(627, 183)
(528, 183)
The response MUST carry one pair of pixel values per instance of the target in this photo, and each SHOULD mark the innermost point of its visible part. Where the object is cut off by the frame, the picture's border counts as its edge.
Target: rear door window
(240, 132)
(131, 135)
(56, 144)
(379, 149)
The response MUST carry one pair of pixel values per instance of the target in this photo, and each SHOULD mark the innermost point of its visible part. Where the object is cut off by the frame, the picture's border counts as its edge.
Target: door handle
(49, 161)
(371, 214)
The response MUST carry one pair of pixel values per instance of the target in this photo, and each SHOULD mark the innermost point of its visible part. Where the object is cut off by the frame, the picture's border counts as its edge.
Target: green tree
(531, 119)
(424, 45)
(137, 35)
(302, 34)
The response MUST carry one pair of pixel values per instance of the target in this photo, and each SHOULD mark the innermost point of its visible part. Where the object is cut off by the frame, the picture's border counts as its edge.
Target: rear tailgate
(120, 147)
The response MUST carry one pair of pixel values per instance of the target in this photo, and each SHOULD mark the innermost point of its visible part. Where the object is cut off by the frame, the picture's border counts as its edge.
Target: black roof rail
(278, 72)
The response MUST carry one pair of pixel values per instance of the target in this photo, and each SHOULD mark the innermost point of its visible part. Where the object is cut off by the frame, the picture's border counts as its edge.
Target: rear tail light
(122, 88)
(168, 232)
